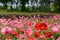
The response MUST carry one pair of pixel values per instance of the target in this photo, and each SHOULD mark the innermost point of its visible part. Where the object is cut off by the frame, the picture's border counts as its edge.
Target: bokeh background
(29, 6)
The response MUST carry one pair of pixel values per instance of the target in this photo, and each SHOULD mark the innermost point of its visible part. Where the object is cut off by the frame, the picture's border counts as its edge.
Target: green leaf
(14, 38)
(48, 39)
(57, 35)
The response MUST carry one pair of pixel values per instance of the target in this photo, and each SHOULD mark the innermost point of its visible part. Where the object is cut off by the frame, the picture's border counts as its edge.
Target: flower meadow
(33, 28)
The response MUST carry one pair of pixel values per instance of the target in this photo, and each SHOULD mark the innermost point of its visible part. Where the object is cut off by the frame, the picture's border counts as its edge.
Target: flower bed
(30, 28)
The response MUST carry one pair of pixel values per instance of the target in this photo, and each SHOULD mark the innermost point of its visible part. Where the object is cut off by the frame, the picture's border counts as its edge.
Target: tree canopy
(33, 5)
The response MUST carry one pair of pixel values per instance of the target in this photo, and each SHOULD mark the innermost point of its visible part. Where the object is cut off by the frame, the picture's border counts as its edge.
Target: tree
(57, 4)
(23, 2)
(5, 3)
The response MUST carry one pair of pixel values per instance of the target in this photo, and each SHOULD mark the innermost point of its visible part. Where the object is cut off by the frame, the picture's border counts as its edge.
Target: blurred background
(30, 5)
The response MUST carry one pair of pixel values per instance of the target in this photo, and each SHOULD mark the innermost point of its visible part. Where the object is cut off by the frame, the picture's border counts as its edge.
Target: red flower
(37, 34)
(47, 34)
(37, 26)
(14, 33)
(30, 38)
(41, 26)
(5, 36)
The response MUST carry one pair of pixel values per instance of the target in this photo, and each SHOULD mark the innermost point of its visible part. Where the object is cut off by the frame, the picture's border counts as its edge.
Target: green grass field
(5, 12)
(27, 13)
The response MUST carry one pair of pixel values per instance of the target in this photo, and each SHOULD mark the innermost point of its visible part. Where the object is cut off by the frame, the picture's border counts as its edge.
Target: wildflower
(42, 36)
(37, 34)
(28, 32)
(47, 34)
(6, 30)
(41, 26)
(14, 33)
(54, 29)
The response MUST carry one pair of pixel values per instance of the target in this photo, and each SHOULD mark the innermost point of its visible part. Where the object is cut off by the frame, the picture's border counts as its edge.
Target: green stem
(42, 33)
(14, 38)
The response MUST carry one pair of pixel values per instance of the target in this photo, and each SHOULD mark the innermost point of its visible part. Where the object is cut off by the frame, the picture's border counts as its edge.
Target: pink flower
(3, 21)
(42, 36)
(20, 25)
(10, 39)
(54, 29)
(28, 32)
(58, 38)
(52, 37)
(8, 21)
(35, 39)
(13, 23)
(32, 38)
(29, 23)
(21, 36)
(55, 18)
(6, 30)
(48, 23)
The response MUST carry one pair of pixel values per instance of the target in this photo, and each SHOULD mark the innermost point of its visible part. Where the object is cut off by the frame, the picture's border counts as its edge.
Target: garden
(29, 19)
(34, 27)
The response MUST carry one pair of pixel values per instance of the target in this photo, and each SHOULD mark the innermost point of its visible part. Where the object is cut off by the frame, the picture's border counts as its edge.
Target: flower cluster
(34, 28)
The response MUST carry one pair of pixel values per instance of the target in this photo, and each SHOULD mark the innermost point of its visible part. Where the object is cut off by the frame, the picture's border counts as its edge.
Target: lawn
(26, 13)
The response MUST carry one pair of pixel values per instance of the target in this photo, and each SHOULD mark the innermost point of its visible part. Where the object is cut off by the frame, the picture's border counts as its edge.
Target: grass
(26, 13)
(4, 12)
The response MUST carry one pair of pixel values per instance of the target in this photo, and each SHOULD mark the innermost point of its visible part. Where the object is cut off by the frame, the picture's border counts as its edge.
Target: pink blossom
(58, 38)
(42, 36)
(8, 21)
(21, 36)
(3, 21)
(10, 39)
(54, 29)
(13, 22)
(6, 30)
(30, 38)
(29, 23)
(20, 25)
(55, 18)
(52, 37)
(28, 32)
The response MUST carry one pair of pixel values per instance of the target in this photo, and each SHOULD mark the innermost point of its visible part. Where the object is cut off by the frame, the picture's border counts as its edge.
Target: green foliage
(48, 39)
(5, 1)
(40, 5)
(9, 7)
(57, 35)
(52, 7)
(23, 2)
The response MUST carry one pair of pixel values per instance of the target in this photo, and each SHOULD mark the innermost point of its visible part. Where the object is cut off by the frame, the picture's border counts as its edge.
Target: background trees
(33, 5)
(23, 2)
(5, 3)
